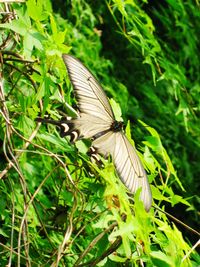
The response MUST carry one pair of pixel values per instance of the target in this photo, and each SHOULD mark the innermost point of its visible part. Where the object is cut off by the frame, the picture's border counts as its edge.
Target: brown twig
(93, 243)
(24, 73)
(178, 221)
(115, 245)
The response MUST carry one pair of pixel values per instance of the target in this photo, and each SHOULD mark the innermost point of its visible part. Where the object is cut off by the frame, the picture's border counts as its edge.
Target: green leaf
(61, 144)
(38, 10)
(116, 109)
(166, 260)
(157, 194)
(155, 143)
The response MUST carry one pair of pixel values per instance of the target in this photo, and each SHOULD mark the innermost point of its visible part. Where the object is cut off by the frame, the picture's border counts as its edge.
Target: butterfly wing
(95, 121)
(90, 126)
(127, 163)
(90, 96)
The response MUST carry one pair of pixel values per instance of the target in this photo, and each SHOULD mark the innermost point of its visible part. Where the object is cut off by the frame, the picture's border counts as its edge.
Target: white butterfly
(96, 121)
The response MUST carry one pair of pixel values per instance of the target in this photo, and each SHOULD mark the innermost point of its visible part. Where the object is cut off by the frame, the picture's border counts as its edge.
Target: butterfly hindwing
(67, 126)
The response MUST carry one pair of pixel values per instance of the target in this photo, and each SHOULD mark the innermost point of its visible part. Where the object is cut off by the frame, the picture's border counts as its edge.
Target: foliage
(54, 212)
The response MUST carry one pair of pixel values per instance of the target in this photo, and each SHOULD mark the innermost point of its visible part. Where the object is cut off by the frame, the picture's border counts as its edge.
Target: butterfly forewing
(91, 97)
(127, 163)
(130, 169)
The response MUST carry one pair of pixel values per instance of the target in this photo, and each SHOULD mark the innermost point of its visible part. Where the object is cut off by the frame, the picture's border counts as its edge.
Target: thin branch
(14, 252)
(190, 251)
(93, 243)
(22, 72)
(28, 206)
(178, 221)
(115, 245)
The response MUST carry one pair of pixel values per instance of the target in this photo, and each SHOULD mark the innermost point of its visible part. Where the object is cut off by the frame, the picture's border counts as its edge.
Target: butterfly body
(96, 121)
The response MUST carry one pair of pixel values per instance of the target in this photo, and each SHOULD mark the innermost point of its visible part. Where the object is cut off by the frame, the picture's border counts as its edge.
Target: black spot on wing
(93, 153)
(74, 135)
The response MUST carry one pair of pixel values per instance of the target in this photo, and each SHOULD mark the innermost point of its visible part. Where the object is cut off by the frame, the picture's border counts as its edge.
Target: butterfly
(96, 121)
